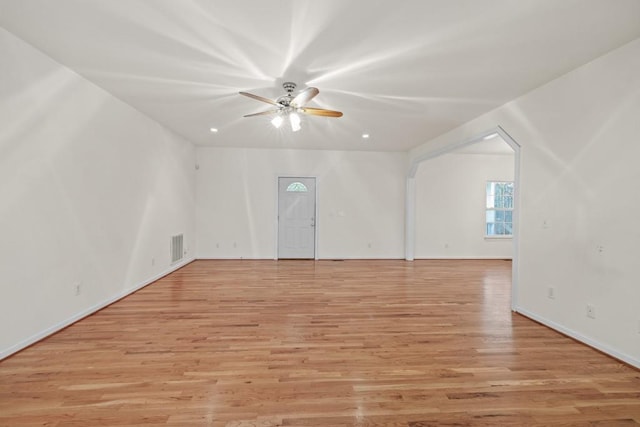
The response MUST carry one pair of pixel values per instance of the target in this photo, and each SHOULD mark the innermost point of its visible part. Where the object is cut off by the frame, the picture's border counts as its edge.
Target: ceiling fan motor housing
(289, 86)
(285, 100)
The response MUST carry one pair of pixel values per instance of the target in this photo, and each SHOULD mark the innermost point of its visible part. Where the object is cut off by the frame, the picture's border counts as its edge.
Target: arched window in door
(297, 187)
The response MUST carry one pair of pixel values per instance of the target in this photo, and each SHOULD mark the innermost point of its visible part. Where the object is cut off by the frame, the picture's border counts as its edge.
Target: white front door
(296, 218)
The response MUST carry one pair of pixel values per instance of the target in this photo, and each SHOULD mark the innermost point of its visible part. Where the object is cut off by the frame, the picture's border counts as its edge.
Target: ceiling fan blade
(262, 113)
(321, 112)
(260, 98)
(305, 96)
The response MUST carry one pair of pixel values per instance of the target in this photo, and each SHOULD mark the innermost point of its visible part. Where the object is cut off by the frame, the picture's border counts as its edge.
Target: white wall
(90, 191)
(360, 201)
(579, 228)
(450, 206)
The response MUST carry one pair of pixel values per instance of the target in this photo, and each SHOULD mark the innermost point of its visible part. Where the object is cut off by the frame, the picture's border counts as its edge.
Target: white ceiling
(402, 71)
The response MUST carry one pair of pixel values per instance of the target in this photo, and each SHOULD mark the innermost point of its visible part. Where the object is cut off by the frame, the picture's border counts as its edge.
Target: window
(297, 187)
(499, 209)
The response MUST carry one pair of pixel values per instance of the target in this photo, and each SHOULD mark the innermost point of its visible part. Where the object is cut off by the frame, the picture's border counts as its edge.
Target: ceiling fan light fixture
(294, 119)
(277, 121)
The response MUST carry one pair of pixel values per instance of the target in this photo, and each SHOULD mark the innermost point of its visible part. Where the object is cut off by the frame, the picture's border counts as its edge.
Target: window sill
(509, 237)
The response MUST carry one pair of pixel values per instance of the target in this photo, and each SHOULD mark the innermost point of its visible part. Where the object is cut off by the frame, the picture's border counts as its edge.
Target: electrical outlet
(77, 288)
(639, 326)
(153, 261)
(551, 292)
(591, 311)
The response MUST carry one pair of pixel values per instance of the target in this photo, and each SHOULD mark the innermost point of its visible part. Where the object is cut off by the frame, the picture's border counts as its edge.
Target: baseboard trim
(603, 348)
(87, 312)
(465, 258)
(469, 258)
(231, 258)
(303, 259)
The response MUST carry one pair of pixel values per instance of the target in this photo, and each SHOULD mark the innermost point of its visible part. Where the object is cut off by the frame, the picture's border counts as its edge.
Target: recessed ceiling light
(213, 130)
(365, 136)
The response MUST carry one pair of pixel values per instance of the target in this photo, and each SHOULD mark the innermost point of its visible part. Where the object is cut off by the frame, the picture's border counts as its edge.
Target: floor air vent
(177, 248)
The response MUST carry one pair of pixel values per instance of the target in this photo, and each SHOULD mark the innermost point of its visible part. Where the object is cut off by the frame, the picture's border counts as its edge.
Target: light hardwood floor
(326, 343)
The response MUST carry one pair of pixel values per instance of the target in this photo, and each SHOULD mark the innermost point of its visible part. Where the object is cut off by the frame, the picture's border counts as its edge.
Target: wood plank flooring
(325, 343)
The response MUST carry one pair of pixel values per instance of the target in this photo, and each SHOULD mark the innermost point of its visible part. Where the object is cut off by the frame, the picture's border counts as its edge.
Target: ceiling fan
(289, 106)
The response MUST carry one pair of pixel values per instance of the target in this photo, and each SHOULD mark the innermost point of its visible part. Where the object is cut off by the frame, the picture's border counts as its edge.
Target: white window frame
(488, 208)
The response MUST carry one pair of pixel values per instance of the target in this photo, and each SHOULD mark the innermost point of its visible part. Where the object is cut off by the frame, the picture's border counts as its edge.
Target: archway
(410, 201)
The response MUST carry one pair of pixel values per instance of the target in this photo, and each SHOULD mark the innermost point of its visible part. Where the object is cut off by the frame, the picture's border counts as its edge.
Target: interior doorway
(412, 188)
(296, 217)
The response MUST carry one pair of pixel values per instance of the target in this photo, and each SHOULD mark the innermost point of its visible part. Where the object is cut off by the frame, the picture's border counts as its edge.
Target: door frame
(277, 213)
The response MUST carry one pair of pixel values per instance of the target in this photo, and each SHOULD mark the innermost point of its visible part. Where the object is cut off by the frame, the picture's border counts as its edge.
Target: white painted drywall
(360, 201)
(450, 206)
(580, 203)
(90, 191)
